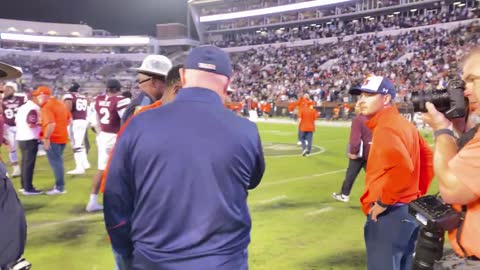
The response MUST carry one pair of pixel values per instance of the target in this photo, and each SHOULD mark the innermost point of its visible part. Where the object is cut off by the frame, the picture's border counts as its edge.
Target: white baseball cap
(155, 65)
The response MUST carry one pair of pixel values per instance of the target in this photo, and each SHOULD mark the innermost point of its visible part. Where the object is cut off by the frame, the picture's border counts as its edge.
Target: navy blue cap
(376, 85)
(210, 59)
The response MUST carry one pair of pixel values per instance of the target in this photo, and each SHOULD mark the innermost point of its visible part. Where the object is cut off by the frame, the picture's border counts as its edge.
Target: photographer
(457, 169)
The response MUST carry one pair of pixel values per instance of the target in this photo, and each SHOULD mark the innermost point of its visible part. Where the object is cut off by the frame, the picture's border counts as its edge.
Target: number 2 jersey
(10, 107)
(109, 111)
(79, 105)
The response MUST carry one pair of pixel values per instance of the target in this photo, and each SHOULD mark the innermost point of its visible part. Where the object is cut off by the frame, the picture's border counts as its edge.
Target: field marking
(38, 227)
(320, 211)
(299, 178)
(321, 150)
(274, 199)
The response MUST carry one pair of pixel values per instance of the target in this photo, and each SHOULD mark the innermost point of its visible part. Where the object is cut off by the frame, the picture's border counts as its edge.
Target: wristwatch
(442, 131)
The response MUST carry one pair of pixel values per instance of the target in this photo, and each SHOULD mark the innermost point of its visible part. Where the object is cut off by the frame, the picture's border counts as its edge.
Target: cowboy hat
(8, 72)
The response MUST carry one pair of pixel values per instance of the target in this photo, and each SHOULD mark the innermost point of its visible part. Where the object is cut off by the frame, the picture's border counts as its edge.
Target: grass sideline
(296, 224)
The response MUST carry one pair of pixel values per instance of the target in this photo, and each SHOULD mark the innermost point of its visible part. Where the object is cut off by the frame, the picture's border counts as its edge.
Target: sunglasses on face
(143, 81)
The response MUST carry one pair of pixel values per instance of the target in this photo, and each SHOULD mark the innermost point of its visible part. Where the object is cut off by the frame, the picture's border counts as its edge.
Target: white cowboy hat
(8, 72)
(155, 65)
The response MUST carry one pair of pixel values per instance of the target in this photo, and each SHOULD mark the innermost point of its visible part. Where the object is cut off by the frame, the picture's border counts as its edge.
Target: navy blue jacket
(176, 190)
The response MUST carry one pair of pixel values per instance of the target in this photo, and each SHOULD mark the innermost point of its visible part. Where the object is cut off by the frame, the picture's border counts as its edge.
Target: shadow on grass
(78, 209)
(33, 206)
(283, 205)
(69, 234)
(347, 259)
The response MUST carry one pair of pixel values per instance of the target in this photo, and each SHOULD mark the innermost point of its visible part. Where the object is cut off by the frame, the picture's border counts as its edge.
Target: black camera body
(449, 101)
(433, 213)
(436, 217)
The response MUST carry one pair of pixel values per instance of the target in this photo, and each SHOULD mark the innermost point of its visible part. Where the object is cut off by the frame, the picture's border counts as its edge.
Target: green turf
(296, 224)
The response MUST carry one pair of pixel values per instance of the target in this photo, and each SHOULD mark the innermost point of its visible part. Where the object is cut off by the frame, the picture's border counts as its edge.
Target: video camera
(449, 101)
(436, 217)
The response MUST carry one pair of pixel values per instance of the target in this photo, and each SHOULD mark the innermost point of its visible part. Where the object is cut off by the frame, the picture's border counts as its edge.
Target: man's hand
(375, 211)
(46, 144)
(352, 156)
(434, 118)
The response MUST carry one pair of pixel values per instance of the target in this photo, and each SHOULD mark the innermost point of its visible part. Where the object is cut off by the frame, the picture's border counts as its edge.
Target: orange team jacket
(400, 163)
(266, 107)
(304, 103)
(156, 104)
(307, 119)
(55, 111)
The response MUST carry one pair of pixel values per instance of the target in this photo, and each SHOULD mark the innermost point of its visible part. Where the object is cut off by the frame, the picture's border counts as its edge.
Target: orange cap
(42, 90)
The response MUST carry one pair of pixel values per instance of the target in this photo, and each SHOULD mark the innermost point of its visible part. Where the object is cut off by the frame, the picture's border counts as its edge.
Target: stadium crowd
(416, 60)
(339, 29)
(249, 5)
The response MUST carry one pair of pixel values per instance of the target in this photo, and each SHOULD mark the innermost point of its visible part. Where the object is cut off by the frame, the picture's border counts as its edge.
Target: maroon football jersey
(79, 105)
(107, 109)
(10, 108)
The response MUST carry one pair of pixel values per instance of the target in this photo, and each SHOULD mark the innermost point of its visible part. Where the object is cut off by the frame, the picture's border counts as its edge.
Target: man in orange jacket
(399, 170)
(307, 118)
(54, 119)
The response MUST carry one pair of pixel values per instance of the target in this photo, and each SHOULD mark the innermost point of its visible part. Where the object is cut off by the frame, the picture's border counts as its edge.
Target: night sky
(120, 17)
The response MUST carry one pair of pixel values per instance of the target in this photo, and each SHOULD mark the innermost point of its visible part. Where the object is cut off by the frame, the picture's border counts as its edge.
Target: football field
(296, 223)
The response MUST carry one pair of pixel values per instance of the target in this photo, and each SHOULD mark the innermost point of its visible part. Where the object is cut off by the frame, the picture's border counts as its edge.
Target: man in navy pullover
(176, 192)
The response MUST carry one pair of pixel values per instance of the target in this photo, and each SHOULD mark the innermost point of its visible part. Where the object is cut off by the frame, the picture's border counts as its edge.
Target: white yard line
(39, 227)
(321, 150)
(35, 228)
(274, 199)
(320, 211)
(300, 178)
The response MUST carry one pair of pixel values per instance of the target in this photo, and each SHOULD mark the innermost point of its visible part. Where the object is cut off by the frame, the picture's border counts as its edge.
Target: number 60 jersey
(109, 111)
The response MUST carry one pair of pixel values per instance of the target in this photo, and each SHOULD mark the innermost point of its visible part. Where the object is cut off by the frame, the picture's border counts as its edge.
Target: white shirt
(27, 114)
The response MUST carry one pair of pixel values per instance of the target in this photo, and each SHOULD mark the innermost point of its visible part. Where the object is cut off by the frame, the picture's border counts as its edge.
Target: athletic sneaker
(32, 192)
(92, 207)
(340, 197)
(55, 191)
(76, 171)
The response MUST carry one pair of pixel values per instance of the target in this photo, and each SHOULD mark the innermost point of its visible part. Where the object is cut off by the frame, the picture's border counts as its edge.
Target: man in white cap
(151, 80)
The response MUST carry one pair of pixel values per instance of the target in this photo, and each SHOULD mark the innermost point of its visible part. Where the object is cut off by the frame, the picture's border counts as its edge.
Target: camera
(436, 217)
(449, 101)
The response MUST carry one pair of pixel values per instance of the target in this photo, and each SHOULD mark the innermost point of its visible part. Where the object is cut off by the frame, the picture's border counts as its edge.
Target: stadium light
(461, 5)
(456, 3)
(390, 16)
(396, 12)
(270, 10)
(413, 10)
(120, 41)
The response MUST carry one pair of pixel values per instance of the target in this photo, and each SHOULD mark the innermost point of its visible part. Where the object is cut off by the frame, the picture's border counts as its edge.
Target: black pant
(86, 141)
(354, 166)
(29, 151)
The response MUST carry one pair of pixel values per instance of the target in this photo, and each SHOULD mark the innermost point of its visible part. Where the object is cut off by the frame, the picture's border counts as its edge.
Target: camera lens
(429, 249)
(439, 98)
